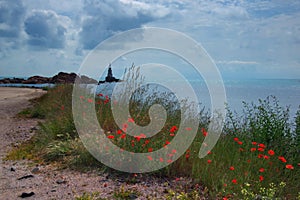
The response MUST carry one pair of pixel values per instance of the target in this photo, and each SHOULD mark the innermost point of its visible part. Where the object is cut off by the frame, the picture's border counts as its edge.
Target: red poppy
(241, 149)
(261, 178)
(187, 156)
(123, 136)
(262, 146)
(240, 142)
(142, 135)
(254, 143)
(90, 100)
(119, 132)
(261, 170)
(150, 149)
(173, 129)
(260, 155)
(106, 101)
(147, 141)
(110, 137)
(260, 149)
(209, 161)
(62, 107)
(236, 139)
(253, 149)
(100, 95)
(167, 142)
(204, 132)
(161, 159)
(138, 138)
(234, 181)
(130, 120)
(282, 159)
(266, 157)
(224, 198)
(289, 166)
(271, 152)
(208, 152)
(169, 161)
(231, 168)
(172, 134)
(174, 151)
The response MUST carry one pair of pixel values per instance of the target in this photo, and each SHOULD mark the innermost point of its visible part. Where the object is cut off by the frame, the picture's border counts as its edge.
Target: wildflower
(254, 143)
(266, 157)
(130, 120)
(187, 156)
(147, 141)
(209, 161)
(106, 101)
(240, 142)
(119, 132)
(236, 139)
(204, 132)
(282, 159)
(174, 151)
(138, 138)
(248, 161)
(169, 161)
(142, 135)
(260, 149)
(161, 159)
(90, 100)
(225, 198)
(167, 142)
(271, 152)
(100, 95)
(172, 134)
(150, 149)
(253, 149)
(208, 152)
(262, 146)
(261, 178)
(173, 129)
(81, 97)
(110, 137)
(231, 168)
(234, 181)
(62, 107)
(260, 155)
(261, 170)
(123, 136)
(241, 149)
(289, 166)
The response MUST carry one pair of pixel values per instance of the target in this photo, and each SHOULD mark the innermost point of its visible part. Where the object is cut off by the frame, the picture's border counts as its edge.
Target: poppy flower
(187, 156)
(142, 135)
(147, 141)
(90, 100)
(150, 149)
(236, 139)
(130, 120)
(110, 137)
(174, 151)
(240, 142)
(167, 142)
(172, 134)
(271, 152)
(254, 143)
(161, 159)
(262, 146)
(209, 161)
(253, 149)
(204, 133)
(261, 170)
(261, 178)
(234, 181)
(231, 168)
(260, 155)
(173, 129)
(100, 95)
(62, 107)
(119, 132)
(289, 166)
(260, 149)
(266, 157)
(169, 161)
(123, 136)
(282, 159)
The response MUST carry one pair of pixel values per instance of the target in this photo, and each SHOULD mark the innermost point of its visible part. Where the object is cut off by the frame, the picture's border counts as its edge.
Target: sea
(286, 91)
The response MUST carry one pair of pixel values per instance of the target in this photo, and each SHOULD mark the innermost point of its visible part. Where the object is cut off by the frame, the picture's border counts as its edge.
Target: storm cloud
(11, 16)
(104, 18)
(45, 30)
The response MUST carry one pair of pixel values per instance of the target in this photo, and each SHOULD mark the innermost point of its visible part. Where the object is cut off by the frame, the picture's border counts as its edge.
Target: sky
(245, 38)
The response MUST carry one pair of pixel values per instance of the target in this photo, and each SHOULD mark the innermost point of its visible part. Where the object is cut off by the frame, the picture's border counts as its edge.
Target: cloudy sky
(245, 38)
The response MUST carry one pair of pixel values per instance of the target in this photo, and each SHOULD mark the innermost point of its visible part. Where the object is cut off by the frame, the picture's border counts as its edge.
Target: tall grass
(256, 156)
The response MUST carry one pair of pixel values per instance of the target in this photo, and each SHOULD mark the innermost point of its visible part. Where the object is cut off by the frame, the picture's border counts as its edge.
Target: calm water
(287, 91)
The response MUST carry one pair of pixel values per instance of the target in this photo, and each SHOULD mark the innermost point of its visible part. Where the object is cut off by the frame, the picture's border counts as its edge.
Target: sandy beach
(19, 179)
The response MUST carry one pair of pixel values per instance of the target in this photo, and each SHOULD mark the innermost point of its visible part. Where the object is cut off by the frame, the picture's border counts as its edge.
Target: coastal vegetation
(257, 155)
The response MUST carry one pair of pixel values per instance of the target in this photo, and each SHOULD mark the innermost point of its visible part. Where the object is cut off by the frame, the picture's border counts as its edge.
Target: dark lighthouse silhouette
(109, 78)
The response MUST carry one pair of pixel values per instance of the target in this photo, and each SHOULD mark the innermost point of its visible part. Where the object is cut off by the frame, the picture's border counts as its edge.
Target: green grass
(234, 169)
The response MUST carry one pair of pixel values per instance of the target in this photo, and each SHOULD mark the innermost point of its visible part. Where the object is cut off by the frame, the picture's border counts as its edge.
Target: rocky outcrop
(60, 78)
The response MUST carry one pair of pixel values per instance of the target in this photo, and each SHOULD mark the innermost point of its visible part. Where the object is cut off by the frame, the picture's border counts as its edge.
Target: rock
(25, 177)
(35, 170)
(59, 181)
(27, 194)
(12, 169)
